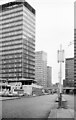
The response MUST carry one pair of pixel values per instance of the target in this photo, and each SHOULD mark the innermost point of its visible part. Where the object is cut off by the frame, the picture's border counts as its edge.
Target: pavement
(63, 112)
(8, 98)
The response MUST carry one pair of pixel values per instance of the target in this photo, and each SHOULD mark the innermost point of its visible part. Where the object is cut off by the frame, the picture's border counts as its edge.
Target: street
(33, 107)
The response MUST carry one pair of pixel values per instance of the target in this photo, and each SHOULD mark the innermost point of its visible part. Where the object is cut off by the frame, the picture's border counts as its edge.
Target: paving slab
(61, 113)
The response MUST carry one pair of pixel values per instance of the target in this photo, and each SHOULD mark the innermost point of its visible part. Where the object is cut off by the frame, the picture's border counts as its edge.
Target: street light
(60, 60)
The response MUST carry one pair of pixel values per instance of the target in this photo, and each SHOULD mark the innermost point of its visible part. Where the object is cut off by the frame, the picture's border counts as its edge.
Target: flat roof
(69, 58)
(7, 5)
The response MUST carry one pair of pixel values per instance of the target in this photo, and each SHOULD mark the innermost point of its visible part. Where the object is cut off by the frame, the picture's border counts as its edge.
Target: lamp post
(60, 60)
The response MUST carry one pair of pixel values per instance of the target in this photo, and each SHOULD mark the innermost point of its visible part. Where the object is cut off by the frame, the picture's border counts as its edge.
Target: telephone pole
(60, 60)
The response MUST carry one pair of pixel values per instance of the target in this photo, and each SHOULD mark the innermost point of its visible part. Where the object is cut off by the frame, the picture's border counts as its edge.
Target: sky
(54, 26)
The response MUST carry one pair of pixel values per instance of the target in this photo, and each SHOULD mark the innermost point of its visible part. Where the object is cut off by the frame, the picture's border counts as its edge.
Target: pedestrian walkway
(62, 113)
(8, 98)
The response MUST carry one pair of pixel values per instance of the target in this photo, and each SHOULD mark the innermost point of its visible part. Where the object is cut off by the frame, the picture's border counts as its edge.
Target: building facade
(41, 68)
(69, 73)
(17, 41)
(49, 76)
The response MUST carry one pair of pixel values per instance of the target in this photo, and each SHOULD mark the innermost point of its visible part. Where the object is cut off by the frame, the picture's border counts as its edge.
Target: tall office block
(49, 76)
(69, 72)
(17, 41)
(41, 68)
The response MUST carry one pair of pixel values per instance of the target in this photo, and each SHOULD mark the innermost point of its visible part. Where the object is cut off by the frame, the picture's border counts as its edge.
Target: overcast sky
(54, 26)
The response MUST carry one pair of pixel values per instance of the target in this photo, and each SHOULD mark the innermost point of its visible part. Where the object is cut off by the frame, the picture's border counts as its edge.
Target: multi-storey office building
(49, 76)
(17, 41)
(41, 68)
(69, 72)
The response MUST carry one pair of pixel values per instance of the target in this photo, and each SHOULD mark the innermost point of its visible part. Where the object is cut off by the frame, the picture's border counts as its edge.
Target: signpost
(60, 60)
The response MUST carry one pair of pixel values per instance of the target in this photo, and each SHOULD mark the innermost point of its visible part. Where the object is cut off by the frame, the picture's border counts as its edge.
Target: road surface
(35, 107)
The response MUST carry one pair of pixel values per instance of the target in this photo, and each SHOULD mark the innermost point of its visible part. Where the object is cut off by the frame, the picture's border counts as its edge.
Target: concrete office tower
(49, 76)
(75, 43)
(17, 41)
(69, 72)
(41, 68)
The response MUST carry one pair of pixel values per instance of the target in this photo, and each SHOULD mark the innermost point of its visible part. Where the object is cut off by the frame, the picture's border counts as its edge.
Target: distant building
(56, 84)
(69, 73)
(49, 76)
(41, 68)
(17, 41)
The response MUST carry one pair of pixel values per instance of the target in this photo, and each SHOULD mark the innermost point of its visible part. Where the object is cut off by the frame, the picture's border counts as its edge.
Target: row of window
(16, 34)
(28, 23)
(31, 65)
(17, 70)
(5, 51)
(11, 70)
(29, 14)
(14, 15)
(7, 29)
(13, 61)
(16, 46)
(19, 36)
(12, 24)
(26, 60)
(29, 52)
(12, 56)
(14, 38)
(28, 29)
(7, 19)
(25, 16)
(29, 46)
(12, 52)
(11, 75)
(15, 22)
(29, 43)
(16, 9)
(29, 56)
(28, 37)
(12, 47)
(8, 44)
(28, 72)
(11, 33)
(10, 11)
(6, 56)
